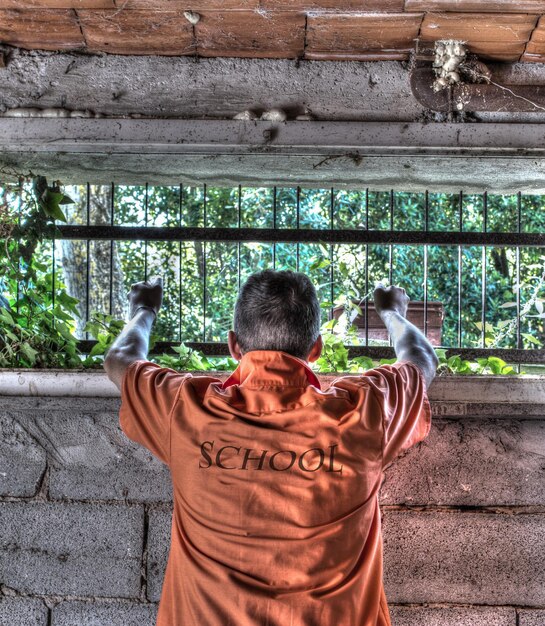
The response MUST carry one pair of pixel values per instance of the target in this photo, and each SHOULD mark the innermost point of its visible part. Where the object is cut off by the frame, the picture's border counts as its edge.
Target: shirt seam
(383, 434)
(169, 417)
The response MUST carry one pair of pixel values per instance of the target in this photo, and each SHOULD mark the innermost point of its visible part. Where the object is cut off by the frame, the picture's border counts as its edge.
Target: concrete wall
(85, 513)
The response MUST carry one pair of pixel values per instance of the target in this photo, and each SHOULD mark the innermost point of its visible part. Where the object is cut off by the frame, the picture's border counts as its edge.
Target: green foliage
(38, 315)
(187, 359)
(104, 329)
(488, 365)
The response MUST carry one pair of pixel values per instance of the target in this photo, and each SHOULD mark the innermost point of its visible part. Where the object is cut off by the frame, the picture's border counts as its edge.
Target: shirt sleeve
(406, 413)
(149, 394)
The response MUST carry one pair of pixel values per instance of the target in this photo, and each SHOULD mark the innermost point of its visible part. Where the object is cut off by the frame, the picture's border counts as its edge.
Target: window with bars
(477, 261)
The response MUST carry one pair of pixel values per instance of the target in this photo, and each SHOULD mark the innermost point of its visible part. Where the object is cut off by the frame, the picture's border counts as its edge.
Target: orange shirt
(276, 518)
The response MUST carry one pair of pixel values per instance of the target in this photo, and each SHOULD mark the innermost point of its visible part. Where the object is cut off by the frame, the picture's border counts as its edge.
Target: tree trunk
(101, 260)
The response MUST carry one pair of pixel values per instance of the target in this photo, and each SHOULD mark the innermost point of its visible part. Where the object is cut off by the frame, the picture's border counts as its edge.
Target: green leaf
(97, 349)
(531, 339)
(6, 317)
(51, 206)
(29, 352)
(387, 361)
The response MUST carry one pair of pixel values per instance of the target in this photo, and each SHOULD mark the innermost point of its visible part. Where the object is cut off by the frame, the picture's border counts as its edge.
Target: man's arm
(132, 344)
(409, 343)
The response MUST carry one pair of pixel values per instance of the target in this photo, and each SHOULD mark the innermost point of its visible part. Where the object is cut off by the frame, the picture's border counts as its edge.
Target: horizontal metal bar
(375, 352)
(281, 235)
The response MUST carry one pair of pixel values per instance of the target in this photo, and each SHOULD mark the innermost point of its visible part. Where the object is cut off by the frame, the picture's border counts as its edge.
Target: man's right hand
(391, 299)
(148, 294)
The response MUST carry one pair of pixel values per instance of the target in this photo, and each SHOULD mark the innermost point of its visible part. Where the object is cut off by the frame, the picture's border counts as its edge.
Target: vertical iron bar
(53, 279)
(298, 222)
(331, 273)
(390, 250)
(88, 259)
(146, 242)
(461, 227)
(459, 296)
(274, 226)
(517, 260)
(239, 222)
(483, 274)
(426, 226)
(18, 295)
(204, 271)
(367, 269)
(180, 291)
(111, 284)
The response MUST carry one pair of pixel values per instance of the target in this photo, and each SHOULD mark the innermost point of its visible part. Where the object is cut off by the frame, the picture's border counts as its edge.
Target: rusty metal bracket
(475, 97)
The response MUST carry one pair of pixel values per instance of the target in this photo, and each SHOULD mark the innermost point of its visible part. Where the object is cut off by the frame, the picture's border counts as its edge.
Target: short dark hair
(277, 311)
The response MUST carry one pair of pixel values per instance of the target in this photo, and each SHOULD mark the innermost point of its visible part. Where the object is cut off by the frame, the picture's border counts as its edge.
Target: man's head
(277, 311)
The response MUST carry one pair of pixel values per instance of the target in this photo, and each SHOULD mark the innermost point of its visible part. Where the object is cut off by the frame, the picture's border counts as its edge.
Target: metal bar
(390, 251)
(304, 235)
(298, 217)
(274, 226)
(146, 242)
(112, 243)
(238, 242)
(221, 349)
(18, 294)
(460, 296)
(204, 271)
(53, 275)
(331, 273)
(461, 227)
(517, 269)
(426, 225)
(366, 269)
(180, 274)
(205, 220)
(483, 269)
(88, 261)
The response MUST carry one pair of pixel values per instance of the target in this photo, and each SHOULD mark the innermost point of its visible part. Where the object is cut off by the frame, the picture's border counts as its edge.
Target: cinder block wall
(85, 513)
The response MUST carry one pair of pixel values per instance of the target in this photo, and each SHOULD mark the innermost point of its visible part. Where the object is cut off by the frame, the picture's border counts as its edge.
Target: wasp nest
(449, 55)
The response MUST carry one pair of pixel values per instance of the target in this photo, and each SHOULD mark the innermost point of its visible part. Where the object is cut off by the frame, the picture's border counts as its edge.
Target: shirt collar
(272, 368)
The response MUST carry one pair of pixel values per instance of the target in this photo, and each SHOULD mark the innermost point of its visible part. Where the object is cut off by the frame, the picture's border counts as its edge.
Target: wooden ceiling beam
(55, 29)
(309, 29)
(57, 4)
(137, 32)
(491, 36)
(279, 35)
(359, 37)
(477, 6)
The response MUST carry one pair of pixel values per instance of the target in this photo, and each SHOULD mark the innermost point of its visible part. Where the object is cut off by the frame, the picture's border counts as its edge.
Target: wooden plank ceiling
(504, 30)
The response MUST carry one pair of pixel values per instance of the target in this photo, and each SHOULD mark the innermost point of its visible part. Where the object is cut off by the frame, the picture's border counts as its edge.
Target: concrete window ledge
(95, 383)
(463, 512)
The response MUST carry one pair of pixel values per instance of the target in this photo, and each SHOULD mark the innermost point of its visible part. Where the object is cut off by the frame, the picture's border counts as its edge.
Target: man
(276, 519)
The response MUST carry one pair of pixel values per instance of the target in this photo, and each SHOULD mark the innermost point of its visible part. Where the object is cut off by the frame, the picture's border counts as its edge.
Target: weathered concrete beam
(186, 87)
(219, 88)
(213, 137)
(502, 158)
(449, 393)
